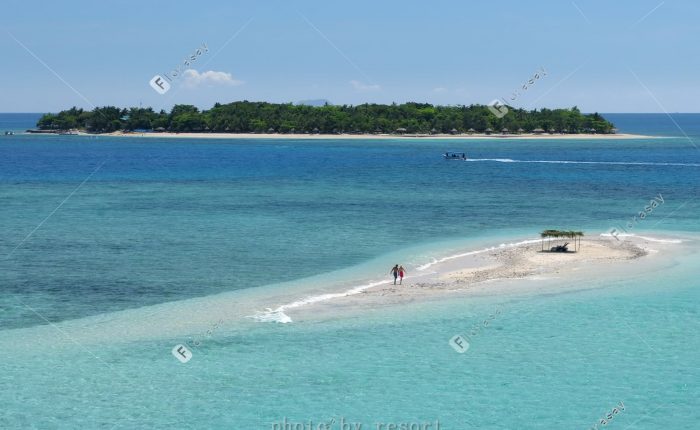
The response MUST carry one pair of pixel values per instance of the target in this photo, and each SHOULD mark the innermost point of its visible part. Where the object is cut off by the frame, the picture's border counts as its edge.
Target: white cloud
(439, 90)
(192, 78)
(361, 86)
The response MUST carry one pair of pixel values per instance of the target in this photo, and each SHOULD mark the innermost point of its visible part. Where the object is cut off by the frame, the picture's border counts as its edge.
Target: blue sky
(606, 56)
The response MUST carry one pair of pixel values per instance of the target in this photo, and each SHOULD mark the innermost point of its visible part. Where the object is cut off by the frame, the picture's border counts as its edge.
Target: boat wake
(611, 163)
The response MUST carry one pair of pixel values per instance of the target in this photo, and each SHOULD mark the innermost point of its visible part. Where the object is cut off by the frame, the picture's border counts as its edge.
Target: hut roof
(561, 233)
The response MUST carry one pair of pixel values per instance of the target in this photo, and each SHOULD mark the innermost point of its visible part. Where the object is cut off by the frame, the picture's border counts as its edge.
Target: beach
(480, 136)
(521, 266)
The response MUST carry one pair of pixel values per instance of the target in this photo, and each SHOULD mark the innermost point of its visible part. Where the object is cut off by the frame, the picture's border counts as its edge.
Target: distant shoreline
(481, 136)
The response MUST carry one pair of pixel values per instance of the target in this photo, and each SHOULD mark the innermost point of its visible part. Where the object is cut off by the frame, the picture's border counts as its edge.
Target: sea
(116, 252)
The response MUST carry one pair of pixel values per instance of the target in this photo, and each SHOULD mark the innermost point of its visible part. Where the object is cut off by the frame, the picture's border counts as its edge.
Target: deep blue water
(655, 124)
(18, 122)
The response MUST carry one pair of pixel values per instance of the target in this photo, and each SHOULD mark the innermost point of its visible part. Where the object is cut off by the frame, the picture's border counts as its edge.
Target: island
(245, 117)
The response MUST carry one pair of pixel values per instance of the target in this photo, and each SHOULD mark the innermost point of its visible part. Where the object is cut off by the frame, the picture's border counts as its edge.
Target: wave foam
(653, 239)
(278, 315)
(479, 251)
(647, 238)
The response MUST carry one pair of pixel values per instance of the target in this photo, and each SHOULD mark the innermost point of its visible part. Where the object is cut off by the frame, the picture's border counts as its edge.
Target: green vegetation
(261, 117)
(561, 233)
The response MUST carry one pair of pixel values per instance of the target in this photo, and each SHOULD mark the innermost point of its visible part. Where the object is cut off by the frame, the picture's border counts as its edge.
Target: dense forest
(261, 117)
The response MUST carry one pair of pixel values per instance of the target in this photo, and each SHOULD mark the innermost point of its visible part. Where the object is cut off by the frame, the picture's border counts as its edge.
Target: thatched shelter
(401, 130)
(538, 131)
(562, 234)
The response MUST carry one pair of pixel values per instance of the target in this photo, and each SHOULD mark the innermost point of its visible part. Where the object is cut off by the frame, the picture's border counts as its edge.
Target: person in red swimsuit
(402, 272)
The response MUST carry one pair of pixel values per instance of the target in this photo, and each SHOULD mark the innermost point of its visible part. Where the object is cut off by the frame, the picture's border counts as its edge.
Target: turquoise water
(161, 221)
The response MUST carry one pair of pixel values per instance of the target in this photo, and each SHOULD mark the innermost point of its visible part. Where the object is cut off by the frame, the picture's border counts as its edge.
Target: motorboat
(455, 156)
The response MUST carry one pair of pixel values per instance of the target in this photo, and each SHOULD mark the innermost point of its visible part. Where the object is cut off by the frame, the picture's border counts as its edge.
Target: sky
(602, 56)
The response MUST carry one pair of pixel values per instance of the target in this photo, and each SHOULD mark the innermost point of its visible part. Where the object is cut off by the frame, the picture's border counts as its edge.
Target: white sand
(503, 270)
(371, 136)
(529, 260)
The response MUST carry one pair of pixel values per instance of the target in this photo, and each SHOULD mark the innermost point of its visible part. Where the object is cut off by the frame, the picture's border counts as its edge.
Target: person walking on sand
(402, 272)
(395, 271)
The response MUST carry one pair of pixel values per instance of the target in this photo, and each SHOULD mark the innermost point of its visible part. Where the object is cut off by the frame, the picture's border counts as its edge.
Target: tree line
(262, 117)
